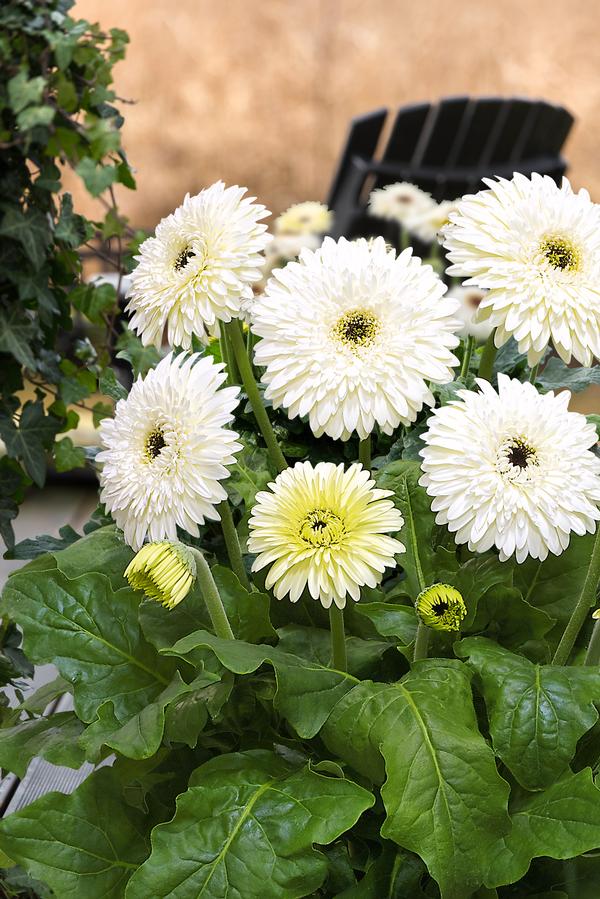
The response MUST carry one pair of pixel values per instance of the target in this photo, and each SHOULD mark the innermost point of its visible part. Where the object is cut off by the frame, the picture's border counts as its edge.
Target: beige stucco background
(259, 92)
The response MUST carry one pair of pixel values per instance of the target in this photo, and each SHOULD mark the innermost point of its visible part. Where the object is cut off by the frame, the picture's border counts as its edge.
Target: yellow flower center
(356, 328)
(561, 253)
(321, 527)
(155, 443)
(183, 258)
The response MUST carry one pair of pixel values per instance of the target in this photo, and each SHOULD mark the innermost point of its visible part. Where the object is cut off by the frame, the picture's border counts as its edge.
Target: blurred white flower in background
(427, 223)
(399, 202)
(309, 217)
(470, 300)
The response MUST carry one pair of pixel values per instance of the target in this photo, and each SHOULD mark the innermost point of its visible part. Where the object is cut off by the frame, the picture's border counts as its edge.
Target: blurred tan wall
(259, 92)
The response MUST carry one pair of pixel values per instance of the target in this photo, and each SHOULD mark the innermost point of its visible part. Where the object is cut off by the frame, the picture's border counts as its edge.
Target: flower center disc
(356, 328)
(322, 528)
(561, 253)
(155, 443)
(516, 458)
(184, 257)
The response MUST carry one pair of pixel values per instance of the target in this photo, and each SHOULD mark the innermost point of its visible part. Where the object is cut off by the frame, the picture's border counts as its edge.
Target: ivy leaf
(141, 358)
(24, 91)
(536, 713)
(86, 844)
(90, 633)
(419, 522)
(96, 177)
(94, 301)
(31, 548)
(68, 456)
(556, 374)
(30, 229)
(71, 229)
(560, 822)
(108, 384)
(306, 694)
(53, 739)
(247, 827)
(16, 335)
(442, 793)
(31, 440)
(249, 474)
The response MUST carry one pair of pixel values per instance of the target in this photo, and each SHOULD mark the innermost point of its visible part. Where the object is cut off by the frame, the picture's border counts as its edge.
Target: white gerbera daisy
(536, 246)
(199, 266)
(512, 469)
(426, 224)
(166, 450)
(324, 528)
(399, 202)
(470, 299)
(352, 337)
(309, 217)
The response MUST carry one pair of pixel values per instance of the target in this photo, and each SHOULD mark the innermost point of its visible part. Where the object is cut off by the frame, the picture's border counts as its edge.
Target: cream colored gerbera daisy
(512, 469)
(426, 224)
(470, 299)
(353, 336)
(326, 529)
(167, 448)
(198, 268)
(309, 217)
(536, 246)
(399, 202)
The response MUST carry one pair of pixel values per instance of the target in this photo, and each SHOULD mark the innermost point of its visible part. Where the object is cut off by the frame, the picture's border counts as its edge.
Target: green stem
(404, 238)
(235, 375)
(421, 642)
(232, 543)
(211, 597)
(234, 332)
(338, 638)
(533, 373)
(486, 364)
(364, 452)
(592, 656)
(225, 357)
(466, 359)
(587, 598)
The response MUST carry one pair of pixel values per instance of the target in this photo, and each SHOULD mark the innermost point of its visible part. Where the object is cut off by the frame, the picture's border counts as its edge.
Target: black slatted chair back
(445, 148)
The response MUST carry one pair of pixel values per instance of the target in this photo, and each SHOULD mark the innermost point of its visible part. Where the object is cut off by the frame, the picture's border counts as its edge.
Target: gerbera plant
(332, 632)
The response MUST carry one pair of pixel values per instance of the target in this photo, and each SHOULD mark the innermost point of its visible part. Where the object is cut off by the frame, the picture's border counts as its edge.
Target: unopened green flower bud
(441, 607)
(164, 571)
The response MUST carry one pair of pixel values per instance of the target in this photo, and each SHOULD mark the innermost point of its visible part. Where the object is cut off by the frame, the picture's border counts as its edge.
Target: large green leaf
(442, 793)
(84, 846)
(390, 620)
(306, 691)
(554, 585)
(394, 875)
(560, 822)
(474, 579)
(505, 616)
(556, 374)
(246, 827)
(314, 645)
(53, 739)
(141, 735)
(536, 713)
(419, 522)
(103, 551)
(91, 634)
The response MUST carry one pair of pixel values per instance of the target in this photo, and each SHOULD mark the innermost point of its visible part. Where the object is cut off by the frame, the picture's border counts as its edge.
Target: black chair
(445, 148)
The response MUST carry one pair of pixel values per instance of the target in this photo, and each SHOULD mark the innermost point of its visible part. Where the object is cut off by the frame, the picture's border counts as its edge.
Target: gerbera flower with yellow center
(324, 528)
(399, 202)
(353, 336)
(309, 217)
(198, 268)
(536, 248)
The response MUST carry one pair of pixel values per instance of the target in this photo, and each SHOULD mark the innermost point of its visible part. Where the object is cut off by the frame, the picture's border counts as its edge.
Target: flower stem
(338, 638)
(234, 333)
(225, 357)
(486, 364)
(211, 597)
(466, 359)
(592, 656)
(533, 373)
(587, 599)
(421, 642)
(232, 543)
(364, 452)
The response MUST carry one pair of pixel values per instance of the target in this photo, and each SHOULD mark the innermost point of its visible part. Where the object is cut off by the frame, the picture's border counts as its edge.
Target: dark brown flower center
(183, 258)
